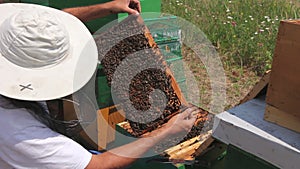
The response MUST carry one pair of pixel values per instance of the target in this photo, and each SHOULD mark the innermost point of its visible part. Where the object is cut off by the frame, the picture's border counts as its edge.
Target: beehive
(283, 96)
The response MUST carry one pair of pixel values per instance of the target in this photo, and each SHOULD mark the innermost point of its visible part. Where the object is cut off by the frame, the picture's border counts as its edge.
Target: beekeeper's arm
(87, 13)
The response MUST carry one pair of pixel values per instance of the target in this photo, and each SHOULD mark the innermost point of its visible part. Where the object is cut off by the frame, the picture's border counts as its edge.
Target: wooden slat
(203, 146)
(102, 121)
(258, 87)
(191, 147)
(115, 116)
(282, 118)
(181, 146)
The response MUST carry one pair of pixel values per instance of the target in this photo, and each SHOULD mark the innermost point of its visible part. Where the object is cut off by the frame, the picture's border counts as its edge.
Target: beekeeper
(41, 48)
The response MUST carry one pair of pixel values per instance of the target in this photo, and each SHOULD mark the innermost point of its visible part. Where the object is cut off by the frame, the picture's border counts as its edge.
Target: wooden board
(258, 87)
(281, 118)
(115, 116)
(190, 148)
(284, 88)
(102, 122)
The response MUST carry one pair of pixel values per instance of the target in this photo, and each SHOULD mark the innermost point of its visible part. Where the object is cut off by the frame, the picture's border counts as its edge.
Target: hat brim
(55, 81)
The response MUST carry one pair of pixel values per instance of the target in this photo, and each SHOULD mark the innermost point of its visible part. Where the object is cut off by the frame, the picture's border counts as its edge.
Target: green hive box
(164, 29)
(103, 91)
(239, 159)
(171, 50)
(167, 35)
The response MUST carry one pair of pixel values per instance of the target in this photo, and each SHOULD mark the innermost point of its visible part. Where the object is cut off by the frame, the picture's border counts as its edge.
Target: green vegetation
(244, 31)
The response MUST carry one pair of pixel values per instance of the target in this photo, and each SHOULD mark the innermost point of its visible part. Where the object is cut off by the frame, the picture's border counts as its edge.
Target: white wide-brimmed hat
(45, 53)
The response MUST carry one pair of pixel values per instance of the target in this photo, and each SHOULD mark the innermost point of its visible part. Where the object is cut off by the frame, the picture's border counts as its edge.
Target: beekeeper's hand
(127, 6)
(182, 123)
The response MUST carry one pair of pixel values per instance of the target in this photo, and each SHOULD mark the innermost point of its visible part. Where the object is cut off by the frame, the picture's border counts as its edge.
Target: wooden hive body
(283, 96)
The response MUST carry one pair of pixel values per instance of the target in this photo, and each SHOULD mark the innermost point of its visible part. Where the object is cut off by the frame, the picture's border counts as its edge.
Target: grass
(244, 31)
(244, 34)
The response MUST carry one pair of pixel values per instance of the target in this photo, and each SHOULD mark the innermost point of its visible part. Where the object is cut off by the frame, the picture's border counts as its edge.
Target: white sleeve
(38, 147)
